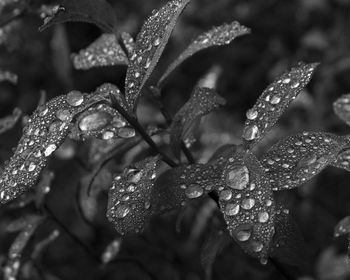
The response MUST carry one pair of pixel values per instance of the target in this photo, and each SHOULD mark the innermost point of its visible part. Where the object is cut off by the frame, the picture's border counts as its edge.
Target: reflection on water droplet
(75, 98)
(94, 121)
(31, 167)
(251, 132)
(275, 99)
(238, 177)
(248, 203)
(126, 132)
(263, 217)
(64, 115)
(251, 114)
(194, 191)
(243, 235)
(257, 246)
(232, 209)
(225, 195)
(50, 149)
(122, 210)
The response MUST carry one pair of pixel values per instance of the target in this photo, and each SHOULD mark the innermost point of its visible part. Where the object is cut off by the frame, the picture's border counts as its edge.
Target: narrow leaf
(274, 101)
(98, 12)
(44, 132)
(111, 251)
(150, 43)
(9, 122)
(342, 108)
(296, 159)
(105, 51)
(343, 228)
(202, 102)
(43, 244)
(217, 36)
(129, 197)
(129, 43)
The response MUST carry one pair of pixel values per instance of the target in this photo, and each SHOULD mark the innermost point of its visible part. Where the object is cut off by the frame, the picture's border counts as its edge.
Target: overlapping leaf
(217, 36)
(150, 43)
(9, 122)
(343, 228)
(42, 135)
(296, 159)
(202, 102)
(98, 12)
(342, 108)
(129, 198)
(273, 101)
(129, 43)
(105, 51)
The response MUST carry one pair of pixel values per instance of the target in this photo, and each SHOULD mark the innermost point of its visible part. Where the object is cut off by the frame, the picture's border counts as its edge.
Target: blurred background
(284, 32)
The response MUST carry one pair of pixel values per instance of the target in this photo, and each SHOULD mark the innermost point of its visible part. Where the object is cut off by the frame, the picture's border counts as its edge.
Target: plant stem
(136, 125)
(70, 234)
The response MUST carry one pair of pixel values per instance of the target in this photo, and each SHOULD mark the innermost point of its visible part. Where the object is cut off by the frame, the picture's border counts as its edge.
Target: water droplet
(295, 85)
(251, 114)
(31, 167)
(225, 195)
(275, 99)
(94, 121)
(238, 177)
(157, 42)
(148, 64)
(251, 132)
(50, 149)
(248, 203)
(137, 75)
(122, 210)
(257, 246)
(43, 111)
(75, 98)
(286, 81)
(131, 188)
(107, 135)
(135, 177)
(263, 217)
(243, 235)
(232, 209)
(194, 191)
(126, 132)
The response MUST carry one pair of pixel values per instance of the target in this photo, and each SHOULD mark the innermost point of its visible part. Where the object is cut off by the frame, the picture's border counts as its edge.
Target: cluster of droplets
(105, 51)
(274, 100)
(128, 42)
(129, 197)
(296, 159)
(150, 43)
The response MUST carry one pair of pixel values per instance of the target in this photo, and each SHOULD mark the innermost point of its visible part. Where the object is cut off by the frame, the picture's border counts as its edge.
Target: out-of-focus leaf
(129, 199)
(43, 244)
(9, 122)
(105, 51)
(98, 12)
(202, 102)
(342, 108)
(149, 46)
(210, 79)
(44, 132)
(22, 222)
(274, 101)
(343, 159)
(296, 159)
(217, 36)
(332, 265)
(129, 43)
(343, 227)
(102, 121)
(288, 244)
(111, 251)
(43, 187)
(8, 76)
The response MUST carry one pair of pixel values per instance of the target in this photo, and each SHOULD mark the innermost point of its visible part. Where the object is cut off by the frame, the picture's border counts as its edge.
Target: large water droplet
(194, 191)
(251, 114)
(50, 149)
(263, 217)
(243, 235)
(275, 99)
(64, 115)
(31, 167)
(232, 209)
(122, 210)
(257, 246)
(95, 121)
(75, 98)
(251, 132)
(248, 203)
(238, 177)
(126, 132)
(225, 195)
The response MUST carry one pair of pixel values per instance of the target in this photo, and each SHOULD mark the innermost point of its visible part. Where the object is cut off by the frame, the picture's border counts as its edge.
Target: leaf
(102, 121)
(273, 102)
(105, 51)
(111, 251)
(288, 243)
(8, 76)
(9, 122)
(341, 108)
(343, 228)
(149, 46)
(343, 159)
(43, 244)
(129, 43)
(98, 12)
(202, 102)
(44, 132)
(296, 159)
(217, 36)
(129, 197)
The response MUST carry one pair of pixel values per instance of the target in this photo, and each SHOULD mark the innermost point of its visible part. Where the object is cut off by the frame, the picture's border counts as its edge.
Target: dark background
(284, 32)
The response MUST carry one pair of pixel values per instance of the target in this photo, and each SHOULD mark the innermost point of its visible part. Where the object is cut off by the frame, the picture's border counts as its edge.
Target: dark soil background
(284, 32)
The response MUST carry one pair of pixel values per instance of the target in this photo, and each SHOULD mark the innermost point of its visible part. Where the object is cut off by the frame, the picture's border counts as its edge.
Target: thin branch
(136, 125)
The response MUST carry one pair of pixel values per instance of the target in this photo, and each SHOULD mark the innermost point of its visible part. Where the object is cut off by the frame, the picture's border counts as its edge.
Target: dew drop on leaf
(129, 44)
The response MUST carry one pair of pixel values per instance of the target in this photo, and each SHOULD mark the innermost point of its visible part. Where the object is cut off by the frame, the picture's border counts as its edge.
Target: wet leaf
(202, 102)
(9, 122)
(217, 36)
(342, 108)
(274, 101)
(8, 76)
(296, 159)
(150, 43)
(343, 228)
(129, 197)
(111, 251)
(105, 51)
(44, 132)
(98, 12)
(343, 159)
(129, 43)
(288, 243)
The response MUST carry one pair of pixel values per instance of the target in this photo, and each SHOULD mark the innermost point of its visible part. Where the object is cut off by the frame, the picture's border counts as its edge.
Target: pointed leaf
(98, 12)
(202, 102)
(46, 129)
(342, 108)
(274, 101)
(129, 43)
(296, 159)
(105, 51)
(217, 36)
(150, 43)
(9, 122)
(129, 197)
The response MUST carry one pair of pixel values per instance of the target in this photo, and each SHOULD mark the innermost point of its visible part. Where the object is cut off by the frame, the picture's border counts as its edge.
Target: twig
(133, 121)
